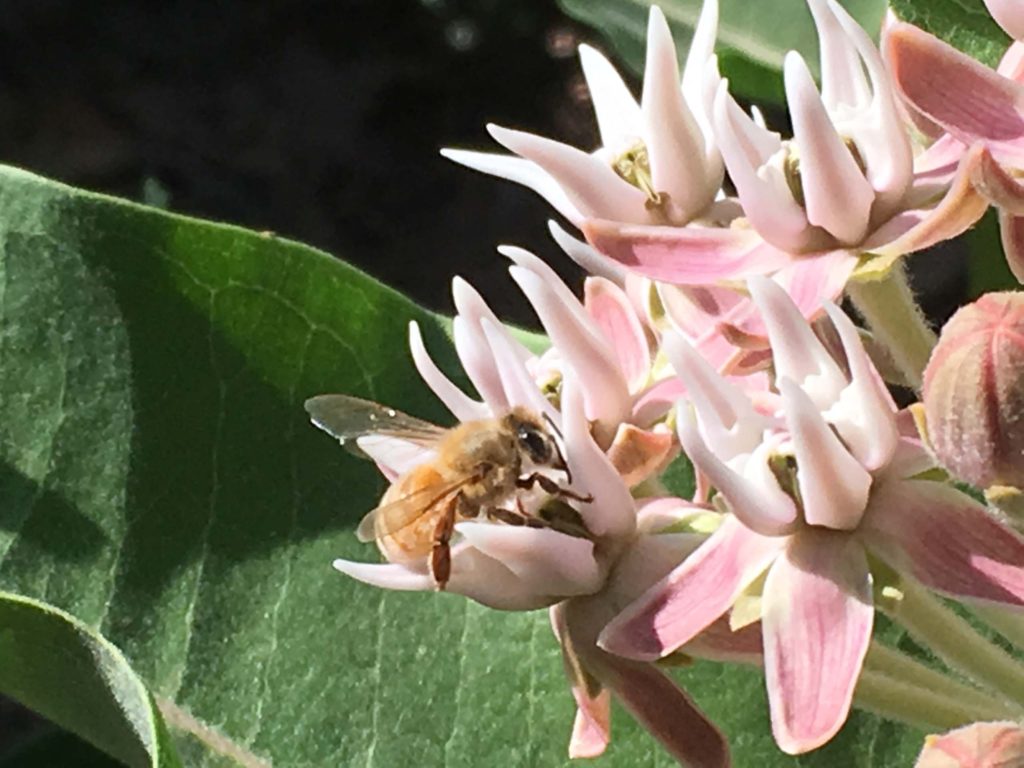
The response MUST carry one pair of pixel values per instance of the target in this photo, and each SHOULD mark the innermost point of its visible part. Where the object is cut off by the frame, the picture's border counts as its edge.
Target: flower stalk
(896, 320)
(957, 643)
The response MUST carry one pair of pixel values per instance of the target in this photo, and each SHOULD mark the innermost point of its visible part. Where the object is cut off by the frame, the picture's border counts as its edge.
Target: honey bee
(477, 469)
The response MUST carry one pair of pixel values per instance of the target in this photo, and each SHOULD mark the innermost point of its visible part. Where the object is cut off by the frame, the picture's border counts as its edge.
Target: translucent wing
(412, 506)
(347, 418)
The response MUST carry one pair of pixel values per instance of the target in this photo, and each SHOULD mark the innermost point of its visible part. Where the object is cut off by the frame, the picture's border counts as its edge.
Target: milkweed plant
(852, 535)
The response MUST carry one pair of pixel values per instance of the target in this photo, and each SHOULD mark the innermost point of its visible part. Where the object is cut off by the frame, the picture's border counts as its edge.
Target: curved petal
(592, 727)
(837, 197)
(685, 254)
(1001, 188)
(966, 98)
(720, 642)
(605, 390)
(517, 386)
(618, 114)
(842, 75)
(675, 144)
(797, 353)
(817, 618)
(816, 278)
(613, 313)
(462, 406)
(593, 262)
(865, 414)
(691, 597)
(544, 561)
(637, 453)
(520, 171)
(947, 541)
(612, 512)
(1010, 16)
(834, 487)
(591, 185)
(758, 501)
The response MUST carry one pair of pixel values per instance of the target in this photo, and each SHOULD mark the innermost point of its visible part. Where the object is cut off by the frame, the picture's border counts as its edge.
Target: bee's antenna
(562, 463)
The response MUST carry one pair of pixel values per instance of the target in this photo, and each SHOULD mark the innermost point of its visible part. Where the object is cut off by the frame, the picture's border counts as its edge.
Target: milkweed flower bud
(974, 393)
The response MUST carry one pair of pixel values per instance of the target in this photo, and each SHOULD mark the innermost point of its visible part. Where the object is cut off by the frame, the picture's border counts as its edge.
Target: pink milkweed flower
(658, 162)
(981, 110)
(844, 185)
(820, 481)
(521, 568)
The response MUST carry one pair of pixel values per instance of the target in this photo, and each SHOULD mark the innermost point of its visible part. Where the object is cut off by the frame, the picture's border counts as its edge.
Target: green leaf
(68, 673)
(160, 481)
(56, 747)
(964, 24)
(753, 38)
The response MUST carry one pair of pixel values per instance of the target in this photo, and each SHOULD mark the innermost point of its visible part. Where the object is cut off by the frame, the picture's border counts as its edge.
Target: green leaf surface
(64, 670)
(964, 24)
(159, 480)
(753, 37)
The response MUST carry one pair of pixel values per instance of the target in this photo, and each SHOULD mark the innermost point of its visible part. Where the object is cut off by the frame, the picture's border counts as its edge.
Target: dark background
(320, 120)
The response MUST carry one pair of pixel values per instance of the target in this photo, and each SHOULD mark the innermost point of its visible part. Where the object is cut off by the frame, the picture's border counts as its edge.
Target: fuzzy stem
(957, 643)
(1008, 623)
(896, 700)
(900, 668)
(894, 318)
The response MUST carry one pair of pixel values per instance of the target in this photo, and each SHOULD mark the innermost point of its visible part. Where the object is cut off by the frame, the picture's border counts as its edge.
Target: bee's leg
(511, 517)
(551, 487)
(441, 554)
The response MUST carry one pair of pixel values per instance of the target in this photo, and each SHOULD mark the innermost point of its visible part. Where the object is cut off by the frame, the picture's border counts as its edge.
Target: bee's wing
(413, 505)
(347, 418)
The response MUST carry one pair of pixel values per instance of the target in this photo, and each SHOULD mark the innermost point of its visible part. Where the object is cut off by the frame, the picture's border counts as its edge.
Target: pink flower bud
(974, 392)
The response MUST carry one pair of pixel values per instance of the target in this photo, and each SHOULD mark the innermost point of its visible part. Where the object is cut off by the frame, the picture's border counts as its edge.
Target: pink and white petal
(720, 642)
(814, 279)
(946, 540)
(834, 487)
(656, 401)
(398, 576)
(605, 389)
(520, 171)
(937, 164)
(837, 197)
(517, 385)
(728, 423)
(1009, 15)
(612, 512)
(478, 362)
(689, 255)
(959, 93)
(644, 563)
(462, 406)
(796, 350)
(592, 727)
(613, 313)
(757, 501)
(675, 144)
(637, 453)
(767, 202)
(471, 305)
(693, 595)
(617, 113)
(591, 184)
(592, 262)
(664, 710)
(1011, 232)
(917, 229)
(1000, 187)
(544, 561)
(865, 414)
(1012, 63)
(817, 616)
(843, 83)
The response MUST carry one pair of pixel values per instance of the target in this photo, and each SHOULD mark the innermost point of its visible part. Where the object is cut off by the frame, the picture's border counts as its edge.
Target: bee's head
(535, 439)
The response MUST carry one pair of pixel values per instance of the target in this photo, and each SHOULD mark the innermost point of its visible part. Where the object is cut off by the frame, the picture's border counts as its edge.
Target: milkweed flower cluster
(709, 332)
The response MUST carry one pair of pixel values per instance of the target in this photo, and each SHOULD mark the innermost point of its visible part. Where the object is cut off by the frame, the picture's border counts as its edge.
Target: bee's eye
(533, 442)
